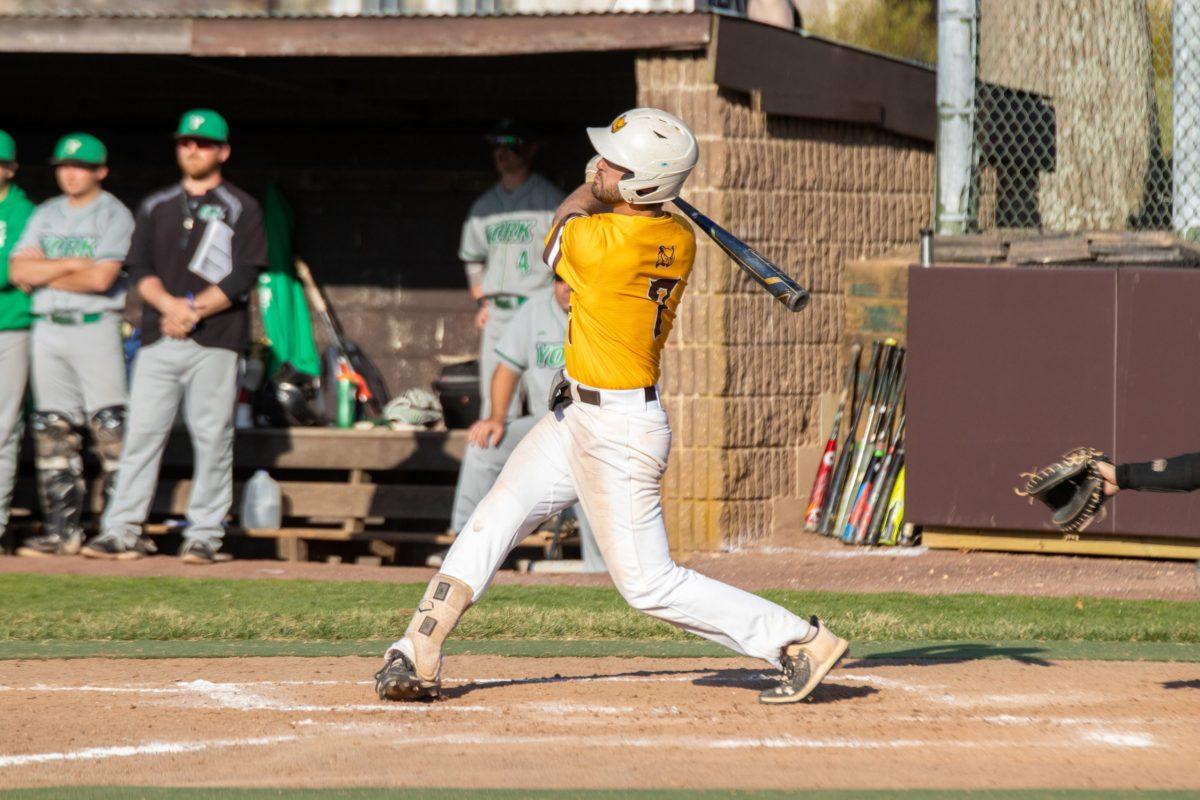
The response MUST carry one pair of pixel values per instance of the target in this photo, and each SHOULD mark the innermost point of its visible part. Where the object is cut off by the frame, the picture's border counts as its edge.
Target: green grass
(137, 793)
(79, 608)
(1038, 652)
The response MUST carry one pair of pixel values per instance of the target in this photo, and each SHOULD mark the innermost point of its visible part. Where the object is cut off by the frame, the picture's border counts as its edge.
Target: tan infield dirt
(808, 562)
(604, 722)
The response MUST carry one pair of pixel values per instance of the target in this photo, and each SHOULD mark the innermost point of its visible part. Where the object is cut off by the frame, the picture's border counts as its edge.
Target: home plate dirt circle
(599, 722)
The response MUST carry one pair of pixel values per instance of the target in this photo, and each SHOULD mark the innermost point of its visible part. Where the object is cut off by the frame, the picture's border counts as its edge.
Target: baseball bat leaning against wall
(842, 464)
(769, 276)
(820, 489)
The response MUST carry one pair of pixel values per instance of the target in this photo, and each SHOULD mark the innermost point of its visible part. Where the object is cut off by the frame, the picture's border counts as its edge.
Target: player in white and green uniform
(71, 255)
(502, 243)
(529, 356)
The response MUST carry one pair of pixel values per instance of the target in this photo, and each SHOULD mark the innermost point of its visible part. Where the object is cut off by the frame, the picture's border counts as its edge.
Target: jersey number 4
(660, 292)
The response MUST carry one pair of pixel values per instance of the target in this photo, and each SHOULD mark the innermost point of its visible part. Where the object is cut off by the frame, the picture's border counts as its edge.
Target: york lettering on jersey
(550, 355)
(68, 246)
(511, 231)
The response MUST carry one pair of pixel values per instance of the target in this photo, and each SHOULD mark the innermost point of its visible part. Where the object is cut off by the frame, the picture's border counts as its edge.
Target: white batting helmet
(656, 147)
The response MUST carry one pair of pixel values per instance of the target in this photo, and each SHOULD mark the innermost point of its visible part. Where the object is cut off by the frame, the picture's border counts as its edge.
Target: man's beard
(200, 172)
(612, 196)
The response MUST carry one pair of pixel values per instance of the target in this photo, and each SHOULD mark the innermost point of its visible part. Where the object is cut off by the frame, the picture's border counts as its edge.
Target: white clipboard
(213, 259)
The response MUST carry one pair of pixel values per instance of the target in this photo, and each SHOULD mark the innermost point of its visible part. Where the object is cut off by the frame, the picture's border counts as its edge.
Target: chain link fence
(1085, 116)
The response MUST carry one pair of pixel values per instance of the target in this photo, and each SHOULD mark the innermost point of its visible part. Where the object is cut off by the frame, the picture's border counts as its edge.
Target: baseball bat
(876, 526)
(876, 468)
(856, 524)
(812, 517)
(873, 517)
(842, 463)
(890, 531)
(863, 449)
(337, 335)
(770, 277)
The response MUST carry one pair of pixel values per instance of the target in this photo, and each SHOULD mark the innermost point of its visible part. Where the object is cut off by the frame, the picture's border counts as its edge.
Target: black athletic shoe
(197, 551)
(112, 546)
(50, 544)
(398, 680)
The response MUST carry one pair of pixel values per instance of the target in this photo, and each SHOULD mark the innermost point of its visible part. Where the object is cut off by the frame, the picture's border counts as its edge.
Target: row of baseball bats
(858, 493)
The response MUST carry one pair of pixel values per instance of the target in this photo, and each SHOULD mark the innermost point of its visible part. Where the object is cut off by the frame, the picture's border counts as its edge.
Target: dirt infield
(617, 723)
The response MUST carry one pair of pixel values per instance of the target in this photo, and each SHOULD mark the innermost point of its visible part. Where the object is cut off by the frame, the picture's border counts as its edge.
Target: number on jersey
(660, 292)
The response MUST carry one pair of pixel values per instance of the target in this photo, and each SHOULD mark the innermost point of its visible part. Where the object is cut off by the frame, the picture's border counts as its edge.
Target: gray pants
(14, 373)
(78, 369)
(205, 379)
(480, 468)
(493, 332)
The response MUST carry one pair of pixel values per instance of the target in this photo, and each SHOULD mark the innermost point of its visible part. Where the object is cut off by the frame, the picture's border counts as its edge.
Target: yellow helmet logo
(618, 123)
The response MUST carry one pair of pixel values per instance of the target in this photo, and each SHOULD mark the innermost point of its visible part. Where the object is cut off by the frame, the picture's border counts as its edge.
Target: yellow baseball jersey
(627, 275)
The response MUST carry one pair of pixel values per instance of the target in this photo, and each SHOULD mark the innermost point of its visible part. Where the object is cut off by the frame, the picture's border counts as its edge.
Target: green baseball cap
(203, 123)
(8, 148)
(80, 148)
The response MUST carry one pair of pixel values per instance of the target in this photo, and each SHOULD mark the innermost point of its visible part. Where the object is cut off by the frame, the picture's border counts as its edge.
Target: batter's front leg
(618, 460)
(534, 484)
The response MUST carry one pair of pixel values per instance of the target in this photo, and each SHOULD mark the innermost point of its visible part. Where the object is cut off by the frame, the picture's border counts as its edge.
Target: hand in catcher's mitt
(1071, 487)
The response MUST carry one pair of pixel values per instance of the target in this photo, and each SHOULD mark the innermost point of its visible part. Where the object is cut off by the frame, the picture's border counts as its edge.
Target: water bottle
(347, 399)
(262, 504)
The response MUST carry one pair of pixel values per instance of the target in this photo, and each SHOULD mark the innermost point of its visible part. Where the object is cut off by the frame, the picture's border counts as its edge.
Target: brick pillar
(742, 376)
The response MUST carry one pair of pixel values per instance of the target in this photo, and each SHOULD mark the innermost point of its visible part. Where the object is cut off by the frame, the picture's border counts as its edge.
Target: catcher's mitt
(1071, 487)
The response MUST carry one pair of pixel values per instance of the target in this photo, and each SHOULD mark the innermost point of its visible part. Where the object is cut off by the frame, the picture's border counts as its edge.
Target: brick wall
(742, 377)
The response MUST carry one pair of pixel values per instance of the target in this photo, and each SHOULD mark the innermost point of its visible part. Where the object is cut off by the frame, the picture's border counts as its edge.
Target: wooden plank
(95, 35)
(331, 500)
(331, 448)
(1081, 544)
(1130, 241)
(471, 36)
(971, 248)
(1051, 250)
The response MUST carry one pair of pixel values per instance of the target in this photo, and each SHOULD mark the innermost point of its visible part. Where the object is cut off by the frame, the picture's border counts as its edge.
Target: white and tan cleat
(805, 665)
(398, 680)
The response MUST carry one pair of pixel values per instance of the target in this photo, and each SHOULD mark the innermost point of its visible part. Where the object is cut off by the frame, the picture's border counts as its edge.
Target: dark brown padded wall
(998, 358)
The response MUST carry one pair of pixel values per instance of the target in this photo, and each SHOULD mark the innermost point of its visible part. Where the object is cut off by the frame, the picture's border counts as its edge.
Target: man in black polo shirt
(196, 252)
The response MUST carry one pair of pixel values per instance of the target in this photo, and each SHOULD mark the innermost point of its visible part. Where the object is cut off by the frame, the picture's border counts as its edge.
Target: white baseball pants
(610, 459)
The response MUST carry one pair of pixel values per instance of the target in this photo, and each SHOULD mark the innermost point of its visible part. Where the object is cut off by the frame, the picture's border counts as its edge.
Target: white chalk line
(147, 748)
(236, 696)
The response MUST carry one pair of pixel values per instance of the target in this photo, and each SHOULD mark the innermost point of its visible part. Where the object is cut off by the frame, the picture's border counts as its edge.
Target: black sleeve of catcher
(1178, 474)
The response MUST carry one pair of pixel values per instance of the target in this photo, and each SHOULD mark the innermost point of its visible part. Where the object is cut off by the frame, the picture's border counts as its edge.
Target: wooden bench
(380, 486)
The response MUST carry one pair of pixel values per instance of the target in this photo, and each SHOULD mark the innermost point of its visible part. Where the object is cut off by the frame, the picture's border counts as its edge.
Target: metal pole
(957, 44)
(1185, 120)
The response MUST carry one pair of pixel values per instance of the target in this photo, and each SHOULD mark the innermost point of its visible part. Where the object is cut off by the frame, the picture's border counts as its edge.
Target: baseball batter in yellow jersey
(605, 444)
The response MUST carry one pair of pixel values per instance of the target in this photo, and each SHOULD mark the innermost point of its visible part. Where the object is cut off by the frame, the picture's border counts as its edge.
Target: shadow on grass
(955, 652)
(1192, 684)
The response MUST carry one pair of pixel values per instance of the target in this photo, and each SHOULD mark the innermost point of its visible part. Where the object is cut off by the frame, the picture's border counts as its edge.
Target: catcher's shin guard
(417, 674)
(60, 476)
(108, 432)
